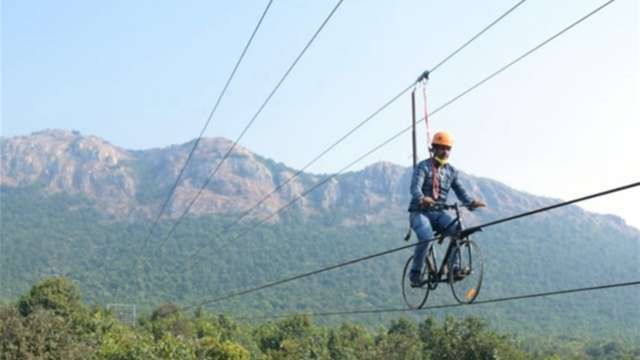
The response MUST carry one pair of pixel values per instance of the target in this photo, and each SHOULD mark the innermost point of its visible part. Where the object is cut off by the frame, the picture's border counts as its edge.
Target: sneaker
(415, 277)
(459, 274)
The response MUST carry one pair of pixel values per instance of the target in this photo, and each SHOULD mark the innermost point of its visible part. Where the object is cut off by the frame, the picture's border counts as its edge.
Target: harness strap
(435, 180)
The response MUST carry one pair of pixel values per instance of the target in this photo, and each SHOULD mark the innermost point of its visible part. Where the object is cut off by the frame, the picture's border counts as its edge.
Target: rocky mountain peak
(123, 182)
(65, 161)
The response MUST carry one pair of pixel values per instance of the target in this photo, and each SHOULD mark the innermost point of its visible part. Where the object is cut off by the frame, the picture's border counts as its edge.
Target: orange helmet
(442, 138)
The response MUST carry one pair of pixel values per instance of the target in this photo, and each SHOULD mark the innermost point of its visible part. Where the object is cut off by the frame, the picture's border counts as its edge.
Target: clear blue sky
(564, 122)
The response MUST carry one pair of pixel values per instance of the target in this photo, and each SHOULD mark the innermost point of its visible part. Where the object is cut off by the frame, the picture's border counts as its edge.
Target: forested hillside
(42, 237)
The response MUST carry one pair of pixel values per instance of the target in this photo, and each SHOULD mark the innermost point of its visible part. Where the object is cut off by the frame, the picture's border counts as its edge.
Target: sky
(562, 123)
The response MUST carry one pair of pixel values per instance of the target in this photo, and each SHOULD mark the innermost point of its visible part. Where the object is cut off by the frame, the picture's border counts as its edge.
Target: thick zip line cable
(390, 251)
(441, 107)
(206, 124)
(255, 116)
(477, 35)
(444, 306)
(370, 117)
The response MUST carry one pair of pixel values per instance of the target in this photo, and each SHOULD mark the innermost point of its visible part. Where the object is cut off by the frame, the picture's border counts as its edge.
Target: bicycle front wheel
(465, 271)
(415, 297)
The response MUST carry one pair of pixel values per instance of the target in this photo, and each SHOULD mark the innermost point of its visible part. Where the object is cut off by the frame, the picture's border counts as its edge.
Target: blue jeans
(423, 224)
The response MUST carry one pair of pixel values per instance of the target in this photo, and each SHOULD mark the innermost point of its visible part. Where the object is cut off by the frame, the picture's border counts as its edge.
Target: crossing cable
(444, 306)
(390, 251)
(204, 128)
(477, 36)
(441, 107)
(255, 116)
(370, 117)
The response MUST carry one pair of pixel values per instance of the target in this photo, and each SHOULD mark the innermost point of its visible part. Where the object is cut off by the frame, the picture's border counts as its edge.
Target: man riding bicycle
(432, 178)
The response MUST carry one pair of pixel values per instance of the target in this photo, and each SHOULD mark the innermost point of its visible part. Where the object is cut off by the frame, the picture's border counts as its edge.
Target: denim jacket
(422, 184)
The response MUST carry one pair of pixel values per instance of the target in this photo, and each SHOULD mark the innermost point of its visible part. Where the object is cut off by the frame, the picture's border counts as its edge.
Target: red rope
(414, 147)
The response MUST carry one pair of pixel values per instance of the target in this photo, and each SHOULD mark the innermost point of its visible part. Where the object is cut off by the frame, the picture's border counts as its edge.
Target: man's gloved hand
(427, 201)
(476, 204)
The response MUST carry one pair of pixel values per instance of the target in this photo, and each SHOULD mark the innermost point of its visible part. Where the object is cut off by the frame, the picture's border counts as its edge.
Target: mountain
(133, 184)
(124, 183)
(78, 206)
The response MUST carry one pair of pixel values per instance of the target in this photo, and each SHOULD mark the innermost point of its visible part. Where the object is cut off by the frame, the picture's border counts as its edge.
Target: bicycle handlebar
(448, 206)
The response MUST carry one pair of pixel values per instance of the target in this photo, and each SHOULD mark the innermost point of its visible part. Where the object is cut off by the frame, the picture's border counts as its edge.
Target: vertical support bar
(415, 146)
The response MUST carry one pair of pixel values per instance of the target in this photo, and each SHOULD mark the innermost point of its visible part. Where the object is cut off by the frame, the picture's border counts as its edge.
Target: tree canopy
(50, 322)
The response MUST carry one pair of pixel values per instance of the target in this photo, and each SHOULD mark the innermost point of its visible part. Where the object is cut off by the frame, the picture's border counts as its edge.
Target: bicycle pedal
(421, 285)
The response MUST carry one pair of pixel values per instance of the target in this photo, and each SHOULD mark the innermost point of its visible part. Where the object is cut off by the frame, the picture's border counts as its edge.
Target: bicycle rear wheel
(467, 258)
(415, 297)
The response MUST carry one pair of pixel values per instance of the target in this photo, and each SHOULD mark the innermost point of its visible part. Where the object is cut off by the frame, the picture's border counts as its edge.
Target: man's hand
(427, 201)
(476, 204)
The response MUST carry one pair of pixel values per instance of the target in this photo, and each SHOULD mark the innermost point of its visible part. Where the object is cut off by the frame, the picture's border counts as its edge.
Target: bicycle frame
(461, 252)
(438, 273)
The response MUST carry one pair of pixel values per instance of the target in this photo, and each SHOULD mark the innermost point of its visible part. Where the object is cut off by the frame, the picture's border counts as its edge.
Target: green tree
(42, 334)
(168, 320)
(211, 348)
(122, 343)
(56, 294)
(401, 341)
(50, 321)
(350, 342)
(292, 338)
(469, 338)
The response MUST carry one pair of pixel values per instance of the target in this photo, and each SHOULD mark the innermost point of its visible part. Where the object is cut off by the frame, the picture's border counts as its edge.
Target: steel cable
(443, 306)
(438, 109)
(264, 104)
(369, 118)
(209, 118)
(386, 252)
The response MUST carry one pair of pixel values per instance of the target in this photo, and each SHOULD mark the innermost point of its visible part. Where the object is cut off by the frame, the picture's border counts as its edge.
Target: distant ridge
(125, 183)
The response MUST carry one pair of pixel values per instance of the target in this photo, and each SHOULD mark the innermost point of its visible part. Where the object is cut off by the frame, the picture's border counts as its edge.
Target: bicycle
(462, 254)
